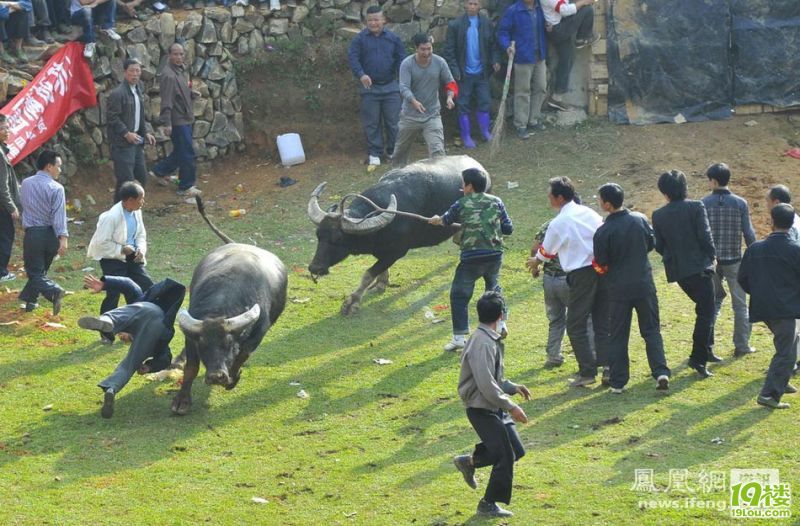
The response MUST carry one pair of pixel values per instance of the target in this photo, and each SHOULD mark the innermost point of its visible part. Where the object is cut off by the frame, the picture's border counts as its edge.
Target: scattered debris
(382, 361)
(717, 440)
(301, 300)
(53, 325)
(7, 323)
(350, 514)
(512, 185)
(294, 383)
(679, 119)
(750, 124)
(793, 152)
(302, 394)
(575, 426)
(87, 269)
(259, 500)
(90, 199)
(165, 374)
(48, 407)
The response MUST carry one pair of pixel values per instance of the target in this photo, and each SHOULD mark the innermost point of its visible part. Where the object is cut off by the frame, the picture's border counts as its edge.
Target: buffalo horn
(189, 324)
(242, 320)
(315, 213)
(371, 224)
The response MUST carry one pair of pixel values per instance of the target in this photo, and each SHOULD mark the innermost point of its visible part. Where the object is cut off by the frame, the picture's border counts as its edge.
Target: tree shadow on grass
(50, 362)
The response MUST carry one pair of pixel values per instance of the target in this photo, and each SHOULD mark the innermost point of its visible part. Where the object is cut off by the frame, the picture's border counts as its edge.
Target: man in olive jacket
(9, 204)
(127, 127)
(472, 55)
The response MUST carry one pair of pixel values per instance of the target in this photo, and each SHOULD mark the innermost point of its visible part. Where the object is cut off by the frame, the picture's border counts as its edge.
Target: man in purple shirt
(44, 218)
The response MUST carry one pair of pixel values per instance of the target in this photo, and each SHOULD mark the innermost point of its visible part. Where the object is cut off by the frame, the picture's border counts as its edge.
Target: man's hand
(125, 337)
(549, 27)
(523, 391)
(128, 250)
(138, 257)
(366, 81)
(63, 244)
(133, 138)
(519, 415)
(150, 139)
(435, 220)
(450, 104)
(511, 50)
(418, 106)
(93, 284)
(15, 215)
(167, 130)
(533, 265)
(496, 67)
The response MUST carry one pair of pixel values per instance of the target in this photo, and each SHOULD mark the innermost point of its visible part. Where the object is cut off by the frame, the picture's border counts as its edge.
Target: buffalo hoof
(234, 381)
(379, 287)
(350, 307)
(181, 404)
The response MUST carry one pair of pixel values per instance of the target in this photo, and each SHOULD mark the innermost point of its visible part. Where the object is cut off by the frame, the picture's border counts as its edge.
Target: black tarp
(693, 60)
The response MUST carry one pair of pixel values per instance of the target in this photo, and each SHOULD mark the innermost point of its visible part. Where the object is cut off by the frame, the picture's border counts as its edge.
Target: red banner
(62, 87)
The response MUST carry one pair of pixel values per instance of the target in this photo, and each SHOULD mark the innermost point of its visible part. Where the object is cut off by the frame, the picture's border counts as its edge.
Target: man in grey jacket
(9, 204)
(127, 127)
(486, 395)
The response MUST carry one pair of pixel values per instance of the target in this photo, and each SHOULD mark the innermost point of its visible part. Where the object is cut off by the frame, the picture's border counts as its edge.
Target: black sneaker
(57, 299)
(662, 383)
(463, 464)
(107, 338)
(96, 323)
(491, 509)
(523, 133)
(744, 352)
(555, 102)
(107, 411)
(583, 42)
(768, 401)
(713, 358)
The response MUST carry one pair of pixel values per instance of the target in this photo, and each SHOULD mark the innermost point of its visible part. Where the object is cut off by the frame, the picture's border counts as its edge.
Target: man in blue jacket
(770, 273)
(375, 56)
(523, 24)
(148, 318)
(472, 55)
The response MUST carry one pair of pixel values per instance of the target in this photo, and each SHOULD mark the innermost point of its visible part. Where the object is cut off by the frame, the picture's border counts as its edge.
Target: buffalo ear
(332, 208)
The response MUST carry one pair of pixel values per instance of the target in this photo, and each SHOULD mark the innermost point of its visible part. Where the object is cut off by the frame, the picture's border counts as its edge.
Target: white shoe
(614, 390)
(662, 383)
(374, 161)
(88, 50)
(113, 35)
(192, 191)
(455, 344)
(8, 277)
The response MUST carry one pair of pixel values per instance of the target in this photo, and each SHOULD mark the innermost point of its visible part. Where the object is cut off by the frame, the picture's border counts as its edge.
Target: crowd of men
(400, 95)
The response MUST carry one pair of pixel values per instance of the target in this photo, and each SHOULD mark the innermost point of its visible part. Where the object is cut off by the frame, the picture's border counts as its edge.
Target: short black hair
(782, 216)
(781, 193)
(171, 46)
(562, 186)
(128, 62)
(45, 158)
(612, 193)
(673, 185)
(720, 172)
(130, 190)
(490, 306)
(476, 178)
(371, 10)
(420, 38)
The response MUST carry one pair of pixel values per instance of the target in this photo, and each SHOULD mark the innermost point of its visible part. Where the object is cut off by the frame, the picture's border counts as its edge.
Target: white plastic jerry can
(291, 149)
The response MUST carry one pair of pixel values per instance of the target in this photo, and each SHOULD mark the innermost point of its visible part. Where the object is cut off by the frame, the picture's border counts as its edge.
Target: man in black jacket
(621, 245)
(683, 238)
(148, 318)
(770, 273)
(472, 55)
(9, 204)
(127, 127)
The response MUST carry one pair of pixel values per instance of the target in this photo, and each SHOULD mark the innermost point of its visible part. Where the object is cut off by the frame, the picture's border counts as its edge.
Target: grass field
(372, 444)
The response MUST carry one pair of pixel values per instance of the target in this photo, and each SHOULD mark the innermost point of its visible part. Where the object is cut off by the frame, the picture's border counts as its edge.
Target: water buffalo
(426, 187)
(237, 293)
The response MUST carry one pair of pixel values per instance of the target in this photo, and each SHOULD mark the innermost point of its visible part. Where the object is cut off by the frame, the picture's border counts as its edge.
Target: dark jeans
(700, 289)
(477, 85)
(621, 313)
(145, 322)
(59, 12)
(588, 296)
(785, 338)
(562, 37)
(181, 158)
(39, 247)
(128, 165)
(105, 15)
(500, 447)
(6, 240)
(115, 267)
(39, 15)
(467, 273)
(15, 27)
(379, 114)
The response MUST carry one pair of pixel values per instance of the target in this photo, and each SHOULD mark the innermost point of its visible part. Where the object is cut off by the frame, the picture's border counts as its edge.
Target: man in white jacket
(120, 243)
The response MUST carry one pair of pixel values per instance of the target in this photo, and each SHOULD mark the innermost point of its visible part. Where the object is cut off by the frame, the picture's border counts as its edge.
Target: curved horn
(242, 320)
(189, 324)
(315, 213)
(371, 224)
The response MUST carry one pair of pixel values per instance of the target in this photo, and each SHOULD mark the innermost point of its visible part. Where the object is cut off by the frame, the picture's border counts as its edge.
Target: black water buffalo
(426, 188)
(237, 293)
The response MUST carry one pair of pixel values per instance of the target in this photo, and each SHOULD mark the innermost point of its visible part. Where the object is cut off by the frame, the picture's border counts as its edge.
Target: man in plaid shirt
(729, 217)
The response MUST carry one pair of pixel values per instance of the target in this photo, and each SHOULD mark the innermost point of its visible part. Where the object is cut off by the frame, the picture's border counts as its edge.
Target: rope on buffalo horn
(379, 210)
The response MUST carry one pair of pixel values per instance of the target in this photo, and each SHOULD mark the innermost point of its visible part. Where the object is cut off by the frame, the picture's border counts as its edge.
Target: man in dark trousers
(375, 56)
(44, 218)
(148, 318)
(621, 245)
(683, 238)
(770, 273)
(9, 204)
(486, 395)
(472, 55)
(127, 127)
(177, 117)
(729, 217)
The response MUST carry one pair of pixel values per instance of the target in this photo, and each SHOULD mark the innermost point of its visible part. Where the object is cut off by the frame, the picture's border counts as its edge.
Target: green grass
(372, 445)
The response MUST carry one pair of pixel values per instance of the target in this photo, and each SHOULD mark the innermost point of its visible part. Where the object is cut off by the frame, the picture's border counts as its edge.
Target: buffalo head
(217, 341)
(334, 225)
